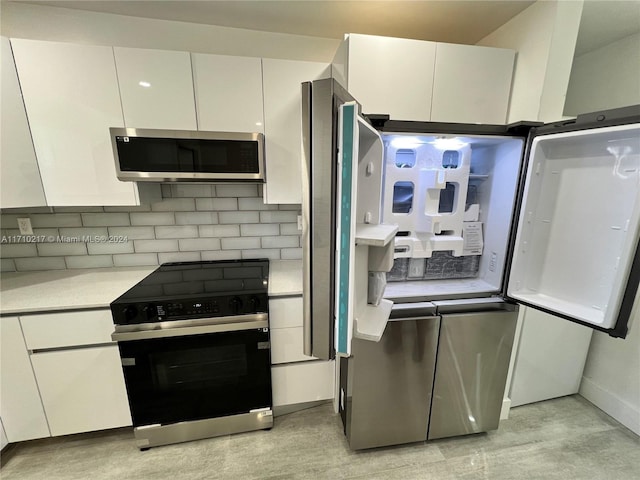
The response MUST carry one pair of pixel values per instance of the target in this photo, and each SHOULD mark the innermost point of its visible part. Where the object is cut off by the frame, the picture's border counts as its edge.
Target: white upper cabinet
(471, 84)
(391, 75)
(71, 97)
(20, 184)
(156, 87)
(228, 92)
(282, 84)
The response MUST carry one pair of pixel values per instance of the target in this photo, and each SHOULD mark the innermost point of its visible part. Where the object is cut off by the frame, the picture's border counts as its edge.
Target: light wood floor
(564, 439)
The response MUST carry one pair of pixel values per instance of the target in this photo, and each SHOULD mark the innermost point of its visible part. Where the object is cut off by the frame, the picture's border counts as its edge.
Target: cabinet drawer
(68, 329)
(302, 382)
(286, 346)
(285, 312)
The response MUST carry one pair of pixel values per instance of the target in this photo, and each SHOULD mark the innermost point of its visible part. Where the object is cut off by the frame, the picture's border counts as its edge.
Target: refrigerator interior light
(448, 143)
(402, 141)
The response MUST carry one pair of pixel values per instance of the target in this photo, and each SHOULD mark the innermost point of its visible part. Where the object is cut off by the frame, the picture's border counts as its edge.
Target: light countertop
(57, 290)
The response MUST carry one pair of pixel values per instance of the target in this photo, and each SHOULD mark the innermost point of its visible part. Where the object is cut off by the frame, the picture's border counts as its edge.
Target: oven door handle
(161, 330)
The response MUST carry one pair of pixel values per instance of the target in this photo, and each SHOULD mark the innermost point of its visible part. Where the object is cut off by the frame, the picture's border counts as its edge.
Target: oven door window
(196, 377)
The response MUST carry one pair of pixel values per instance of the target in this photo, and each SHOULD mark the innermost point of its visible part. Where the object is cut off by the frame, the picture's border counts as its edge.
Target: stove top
(176, 291)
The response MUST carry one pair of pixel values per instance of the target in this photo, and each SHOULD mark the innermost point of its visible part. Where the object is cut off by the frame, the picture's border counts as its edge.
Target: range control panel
(219, 306)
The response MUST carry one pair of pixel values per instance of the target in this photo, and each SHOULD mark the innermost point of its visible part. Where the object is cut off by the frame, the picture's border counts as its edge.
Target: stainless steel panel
(320, 105)
(187, 327)
(187, 176)
(155, 435)
(473, 361)
(389, 384)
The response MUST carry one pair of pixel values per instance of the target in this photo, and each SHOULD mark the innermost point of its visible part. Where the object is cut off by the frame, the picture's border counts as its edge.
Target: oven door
(182, 377)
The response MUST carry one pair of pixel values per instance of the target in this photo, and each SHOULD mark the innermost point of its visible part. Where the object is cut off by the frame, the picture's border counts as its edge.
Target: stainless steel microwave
(150, 155)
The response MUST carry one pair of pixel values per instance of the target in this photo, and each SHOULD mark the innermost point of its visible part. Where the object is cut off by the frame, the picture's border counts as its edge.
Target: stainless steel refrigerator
(421, 239)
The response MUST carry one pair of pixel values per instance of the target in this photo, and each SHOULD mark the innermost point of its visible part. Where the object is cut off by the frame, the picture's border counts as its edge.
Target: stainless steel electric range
(195, 350)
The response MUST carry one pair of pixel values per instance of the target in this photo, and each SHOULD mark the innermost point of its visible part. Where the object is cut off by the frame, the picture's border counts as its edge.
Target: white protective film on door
(579, 223)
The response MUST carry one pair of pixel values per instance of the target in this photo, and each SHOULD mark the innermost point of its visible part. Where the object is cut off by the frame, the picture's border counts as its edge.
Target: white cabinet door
(21, 409)
(71, 96)
(303, 382)
(156, 87)
(391, 75)
(20, 184)
(228, 93)
(471, 84)
(4, 441)
(282, 89)
(82, 389)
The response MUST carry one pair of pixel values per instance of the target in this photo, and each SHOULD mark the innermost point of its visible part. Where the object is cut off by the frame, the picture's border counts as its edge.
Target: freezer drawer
(385, 392)
(473, 361)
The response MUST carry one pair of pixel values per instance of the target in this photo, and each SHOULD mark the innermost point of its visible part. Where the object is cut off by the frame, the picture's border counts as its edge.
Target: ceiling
(453, 21)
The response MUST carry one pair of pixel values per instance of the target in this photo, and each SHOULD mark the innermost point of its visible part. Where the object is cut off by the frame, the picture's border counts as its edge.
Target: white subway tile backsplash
(174, 205)
(62, 249)
(219, 230)
(182, 231)
(179, 190)
(105, 219)
(259, 229)
(236, 190)
(89, 261)
(254, 203)
(146, 246)
(239, 217)
(40, 263)
(192, 222)
(289, 229)
(197, 244)
(133, 233)
(216, 204)
(196, 218)
(261, 253)
(7, 265)
(80, 232)
(281, 241)
(47, 220)
(111, 248)
(221, 255)
(290, 206)
(153, 218)
(78, 209)
(43, 234)
(128, 209)
(242, 243)
(135, 259)
(291, 253)
(280, 216)
(179, 257)
(15, 250)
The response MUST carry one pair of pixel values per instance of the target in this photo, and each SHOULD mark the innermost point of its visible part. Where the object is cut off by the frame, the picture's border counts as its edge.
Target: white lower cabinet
(287, 337)
(20, 406)
(82, 389)
(302, 382)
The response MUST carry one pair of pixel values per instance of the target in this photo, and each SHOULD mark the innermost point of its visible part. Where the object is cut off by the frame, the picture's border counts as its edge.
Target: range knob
(236, 305)
(254, 304)
(130, 313)
(150, 311)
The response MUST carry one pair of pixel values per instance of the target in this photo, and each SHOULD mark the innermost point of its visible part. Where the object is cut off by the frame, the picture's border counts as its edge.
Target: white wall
(611, 378)
(608, 77)
(544, 35)
(77, 26)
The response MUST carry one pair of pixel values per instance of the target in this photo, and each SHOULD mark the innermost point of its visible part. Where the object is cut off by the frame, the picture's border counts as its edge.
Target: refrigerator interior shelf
(375, 235)
(371, 321)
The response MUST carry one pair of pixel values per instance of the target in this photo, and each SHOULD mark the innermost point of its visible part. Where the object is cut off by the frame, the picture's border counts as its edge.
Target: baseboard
(611, 404)
(506, 406)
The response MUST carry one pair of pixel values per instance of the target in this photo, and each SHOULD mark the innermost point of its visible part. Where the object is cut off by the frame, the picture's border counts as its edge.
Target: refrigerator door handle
(306, 218)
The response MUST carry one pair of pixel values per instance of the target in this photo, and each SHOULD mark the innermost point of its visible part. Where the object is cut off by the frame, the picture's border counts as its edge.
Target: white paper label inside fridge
(472, 236)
